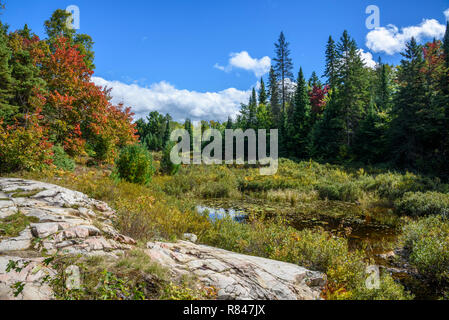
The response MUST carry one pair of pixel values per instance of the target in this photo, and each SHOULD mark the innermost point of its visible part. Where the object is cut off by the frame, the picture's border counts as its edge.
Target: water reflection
(220, 213)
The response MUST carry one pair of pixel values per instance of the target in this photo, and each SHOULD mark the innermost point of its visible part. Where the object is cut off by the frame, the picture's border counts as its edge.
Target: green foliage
(349, 191)
(155, 132)
(167, 166)
(427, 244)
(420, 204)
(62, 160)
(24, 149)
(56, 27)
(135, 164)
(6, 80)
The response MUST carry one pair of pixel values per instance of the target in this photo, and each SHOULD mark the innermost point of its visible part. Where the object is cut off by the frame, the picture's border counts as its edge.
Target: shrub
(349, 191)
(423, 204)
(24, 148)
(135, 164)
(167, 166)
(427, 243)
(62, 160)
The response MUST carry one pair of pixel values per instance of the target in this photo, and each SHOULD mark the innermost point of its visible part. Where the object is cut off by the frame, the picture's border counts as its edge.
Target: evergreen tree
(229, 123)
(189, 127)
(383, 91)
(352, 86)
(24, 71)
(411, 99)
(6, 81)
(331, 62)
(274, 99)
(371, 139)
(262, 93)
(299, 120)
(314, 81)
(283, 67)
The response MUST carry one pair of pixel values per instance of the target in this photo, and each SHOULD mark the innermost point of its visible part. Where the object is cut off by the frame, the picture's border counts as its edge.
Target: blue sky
(175, 56)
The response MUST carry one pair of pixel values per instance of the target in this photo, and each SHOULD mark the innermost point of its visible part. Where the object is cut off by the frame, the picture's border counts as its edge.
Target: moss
(25, 194)
(12, 226)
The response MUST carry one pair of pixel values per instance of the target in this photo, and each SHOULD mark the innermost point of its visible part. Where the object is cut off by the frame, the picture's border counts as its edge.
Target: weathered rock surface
(69, 222)
(238, 276)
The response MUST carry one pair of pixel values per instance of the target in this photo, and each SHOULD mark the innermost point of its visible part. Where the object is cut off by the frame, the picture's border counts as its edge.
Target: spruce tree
(299, 120)
(352, 86)
(274, 99)
(262, 93)
(411, 99)
(314, 81)
(6, 81)
(283, 67)
(331, 62)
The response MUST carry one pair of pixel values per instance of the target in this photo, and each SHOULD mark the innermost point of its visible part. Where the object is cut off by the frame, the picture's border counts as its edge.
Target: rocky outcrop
(67, 222)
(237, 276)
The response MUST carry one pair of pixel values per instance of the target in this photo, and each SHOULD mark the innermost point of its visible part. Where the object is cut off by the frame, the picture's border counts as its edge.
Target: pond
(371, 231)
(221, 213)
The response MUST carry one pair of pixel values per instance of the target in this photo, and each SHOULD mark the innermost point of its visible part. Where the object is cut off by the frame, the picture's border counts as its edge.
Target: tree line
(394, 116)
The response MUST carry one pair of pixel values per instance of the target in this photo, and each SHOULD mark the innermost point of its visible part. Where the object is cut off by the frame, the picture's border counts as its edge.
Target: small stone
(44, 230)
(190, 237)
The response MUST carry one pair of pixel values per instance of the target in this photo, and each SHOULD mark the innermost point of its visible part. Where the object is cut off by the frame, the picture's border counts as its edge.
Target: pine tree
(314, 81)
(283, 67)
(352, 85)
(383, 91)
(6, 80)
(299, 120)
(331, 62)
(24, 71)
(252, 111)
(446, 44)
(406, 147)
(274, 99)
(262, 93)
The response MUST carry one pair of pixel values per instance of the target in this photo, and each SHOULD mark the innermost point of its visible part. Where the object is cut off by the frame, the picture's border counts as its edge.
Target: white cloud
(446, 14)
(367, 58)
(243, 60)
(180, 104)
(390, 40)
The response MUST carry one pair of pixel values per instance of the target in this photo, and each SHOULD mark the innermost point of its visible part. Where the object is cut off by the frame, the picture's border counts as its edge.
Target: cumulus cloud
(367, 58)
(180, 104)
(391, 40)
(243, 60)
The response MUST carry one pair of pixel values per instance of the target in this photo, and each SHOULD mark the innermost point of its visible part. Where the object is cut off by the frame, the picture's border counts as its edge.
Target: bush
(135, 164)
(62, 160)
(167, 166)
(427, 243)
(423, 204)
(349, 191)
(24, 148)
